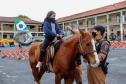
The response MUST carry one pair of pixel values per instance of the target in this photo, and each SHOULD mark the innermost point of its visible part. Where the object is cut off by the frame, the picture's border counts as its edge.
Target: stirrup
(49, 68)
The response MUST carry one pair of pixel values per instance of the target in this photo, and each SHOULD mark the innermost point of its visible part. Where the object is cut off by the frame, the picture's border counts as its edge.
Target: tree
(23, 16)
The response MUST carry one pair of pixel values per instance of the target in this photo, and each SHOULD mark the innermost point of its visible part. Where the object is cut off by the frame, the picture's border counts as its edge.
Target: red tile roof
(105, 9)
(11, 20)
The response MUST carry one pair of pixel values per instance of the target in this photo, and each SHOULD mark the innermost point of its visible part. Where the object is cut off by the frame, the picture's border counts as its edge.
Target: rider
(51, 30)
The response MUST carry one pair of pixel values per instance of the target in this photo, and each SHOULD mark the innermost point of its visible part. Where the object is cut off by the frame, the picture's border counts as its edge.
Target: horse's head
(87, 48)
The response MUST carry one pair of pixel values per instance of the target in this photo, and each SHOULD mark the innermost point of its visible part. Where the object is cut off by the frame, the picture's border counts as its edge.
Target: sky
(37, 9)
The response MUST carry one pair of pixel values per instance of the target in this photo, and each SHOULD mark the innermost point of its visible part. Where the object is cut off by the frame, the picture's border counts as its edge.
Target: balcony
(102, 20)
(115, 18)
(8, 27)
(82, 26)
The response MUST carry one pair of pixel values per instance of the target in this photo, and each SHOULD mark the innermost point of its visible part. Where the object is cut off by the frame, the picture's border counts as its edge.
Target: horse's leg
(69, 80)
(78, 74)
(37, 82)
(58, 79)
(36, 74)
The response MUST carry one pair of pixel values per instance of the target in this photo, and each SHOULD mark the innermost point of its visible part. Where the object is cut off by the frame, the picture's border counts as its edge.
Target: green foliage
(23, 16)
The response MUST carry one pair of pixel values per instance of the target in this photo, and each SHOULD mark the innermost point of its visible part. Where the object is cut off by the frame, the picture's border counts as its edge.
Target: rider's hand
(57, 35)
(61, 36)
(69, 28)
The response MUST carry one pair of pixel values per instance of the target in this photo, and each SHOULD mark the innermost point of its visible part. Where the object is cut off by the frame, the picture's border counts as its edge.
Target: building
(112, 17)
(8, 28)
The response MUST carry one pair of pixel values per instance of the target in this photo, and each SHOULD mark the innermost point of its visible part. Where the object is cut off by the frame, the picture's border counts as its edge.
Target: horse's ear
(81, 32)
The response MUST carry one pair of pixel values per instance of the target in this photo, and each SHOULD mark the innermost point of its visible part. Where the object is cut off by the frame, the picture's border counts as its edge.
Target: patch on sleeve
(105, 48)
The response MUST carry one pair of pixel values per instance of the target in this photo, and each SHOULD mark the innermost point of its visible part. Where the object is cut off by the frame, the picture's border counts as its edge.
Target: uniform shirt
(104, 48)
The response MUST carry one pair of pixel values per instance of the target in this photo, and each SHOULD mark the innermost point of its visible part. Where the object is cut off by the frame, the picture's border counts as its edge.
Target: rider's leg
(43, 51)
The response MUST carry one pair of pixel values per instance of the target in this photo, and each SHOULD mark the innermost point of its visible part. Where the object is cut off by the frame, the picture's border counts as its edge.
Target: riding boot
(42, 55)
(43, 47)
(41, 59)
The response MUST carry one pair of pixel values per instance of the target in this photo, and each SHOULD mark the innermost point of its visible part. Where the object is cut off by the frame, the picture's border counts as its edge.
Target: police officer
(97, 75)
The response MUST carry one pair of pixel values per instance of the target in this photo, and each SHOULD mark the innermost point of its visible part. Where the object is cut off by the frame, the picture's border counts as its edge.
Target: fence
(23, 53)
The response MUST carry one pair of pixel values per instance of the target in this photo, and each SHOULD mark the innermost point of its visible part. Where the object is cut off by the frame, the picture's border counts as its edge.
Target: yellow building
(8, 28)
(112, 17)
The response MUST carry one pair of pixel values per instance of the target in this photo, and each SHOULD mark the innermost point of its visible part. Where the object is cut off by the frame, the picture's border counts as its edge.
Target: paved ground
(13, 71)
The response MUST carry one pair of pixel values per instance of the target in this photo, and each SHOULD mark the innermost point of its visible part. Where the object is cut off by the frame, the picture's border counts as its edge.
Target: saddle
(53, 48)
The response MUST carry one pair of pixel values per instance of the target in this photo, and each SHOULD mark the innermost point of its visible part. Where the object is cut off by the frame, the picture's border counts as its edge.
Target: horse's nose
(97, 60)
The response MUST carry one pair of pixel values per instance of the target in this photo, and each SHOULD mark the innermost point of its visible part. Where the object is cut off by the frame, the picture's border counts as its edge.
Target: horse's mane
(73, 38)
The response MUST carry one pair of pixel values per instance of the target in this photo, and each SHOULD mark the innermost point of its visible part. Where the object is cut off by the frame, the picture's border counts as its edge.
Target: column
(95, 20)
(37, 34)
(77, 24)
(14, 29)
(86, 24)
(121, 25)
(63, 26)
(37, 28)
(107, 16)
(2, 30)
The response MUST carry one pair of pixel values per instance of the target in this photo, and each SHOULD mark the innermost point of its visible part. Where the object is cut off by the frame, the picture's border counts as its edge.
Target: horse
(64, 63)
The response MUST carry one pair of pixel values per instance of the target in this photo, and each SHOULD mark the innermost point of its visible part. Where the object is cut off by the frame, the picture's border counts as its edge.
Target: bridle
(84, 52)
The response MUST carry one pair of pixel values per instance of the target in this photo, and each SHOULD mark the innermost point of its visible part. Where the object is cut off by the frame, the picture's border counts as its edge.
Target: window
(118, 19)
(4, 36)
(31, 27)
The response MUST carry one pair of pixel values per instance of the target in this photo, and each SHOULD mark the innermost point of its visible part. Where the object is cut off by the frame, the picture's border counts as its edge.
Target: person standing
(97, 75)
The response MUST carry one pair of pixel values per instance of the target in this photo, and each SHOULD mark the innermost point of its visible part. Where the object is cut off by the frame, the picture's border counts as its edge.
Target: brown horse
(64, 63)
